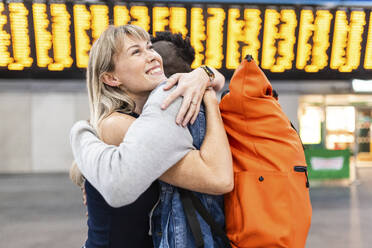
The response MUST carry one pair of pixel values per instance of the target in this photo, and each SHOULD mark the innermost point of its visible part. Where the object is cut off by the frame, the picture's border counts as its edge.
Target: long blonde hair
(105, 99)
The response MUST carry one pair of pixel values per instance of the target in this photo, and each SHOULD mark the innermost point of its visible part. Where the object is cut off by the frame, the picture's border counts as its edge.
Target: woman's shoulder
(113, 128)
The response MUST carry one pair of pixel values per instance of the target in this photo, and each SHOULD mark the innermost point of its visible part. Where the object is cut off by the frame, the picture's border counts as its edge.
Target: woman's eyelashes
(135, 51)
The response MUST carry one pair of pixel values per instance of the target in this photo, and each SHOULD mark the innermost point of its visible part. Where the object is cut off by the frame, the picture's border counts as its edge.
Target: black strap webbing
(191, 218)
(216, 229)
(199, 207)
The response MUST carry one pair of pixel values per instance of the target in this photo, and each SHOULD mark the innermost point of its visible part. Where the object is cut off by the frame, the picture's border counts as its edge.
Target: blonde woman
(126, 98)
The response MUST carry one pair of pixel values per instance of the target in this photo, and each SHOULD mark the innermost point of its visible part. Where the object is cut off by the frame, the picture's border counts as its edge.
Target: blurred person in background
(121, 177)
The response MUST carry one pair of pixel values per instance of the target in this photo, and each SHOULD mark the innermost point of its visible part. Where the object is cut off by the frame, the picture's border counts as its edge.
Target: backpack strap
(203, 212)
(191, 218)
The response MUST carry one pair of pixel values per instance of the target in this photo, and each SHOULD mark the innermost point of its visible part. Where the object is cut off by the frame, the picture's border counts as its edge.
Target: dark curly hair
(183, 46)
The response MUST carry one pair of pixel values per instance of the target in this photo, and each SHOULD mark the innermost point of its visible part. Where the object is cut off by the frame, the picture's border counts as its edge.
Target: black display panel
(51, 39)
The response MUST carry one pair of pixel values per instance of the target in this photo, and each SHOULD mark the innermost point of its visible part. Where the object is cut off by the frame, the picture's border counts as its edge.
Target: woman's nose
(150, 55)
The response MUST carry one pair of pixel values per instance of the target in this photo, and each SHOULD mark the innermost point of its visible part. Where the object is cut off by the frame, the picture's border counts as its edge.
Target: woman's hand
(191, 86)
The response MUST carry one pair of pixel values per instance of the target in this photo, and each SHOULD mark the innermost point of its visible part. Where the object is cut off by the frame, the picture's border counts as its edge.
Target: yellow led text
(61, 37)
(5, 42)
(20, 37)
(214, 44)
(197, 35)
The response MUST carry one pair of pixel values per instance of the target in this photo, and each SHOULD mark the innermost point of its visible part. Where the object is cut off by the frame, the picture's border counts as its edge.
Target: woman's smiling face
(138, 67)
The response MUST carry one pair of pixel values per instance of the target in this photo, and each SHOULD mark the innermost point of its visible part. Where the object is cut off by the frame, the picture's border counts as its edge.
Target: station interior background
(38, 109)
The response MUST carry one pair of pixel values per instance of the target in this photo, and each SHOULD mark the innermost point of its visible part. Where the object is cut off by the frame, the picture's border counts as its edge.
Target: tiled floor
(46, 210)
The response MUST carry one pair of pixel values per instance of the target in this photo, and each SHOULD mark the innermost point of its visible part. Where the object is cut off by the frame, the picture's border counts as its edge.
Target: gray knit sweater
(153, 143)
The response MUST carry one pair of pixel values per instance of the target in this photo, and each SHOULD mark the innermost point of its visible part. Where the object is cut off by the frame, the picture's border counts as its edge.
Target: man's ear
(110, 79)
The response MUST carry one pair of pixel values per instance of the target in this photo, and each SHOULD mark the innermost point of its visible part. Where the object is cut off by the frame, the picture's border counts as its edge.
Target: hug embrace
(164, 162)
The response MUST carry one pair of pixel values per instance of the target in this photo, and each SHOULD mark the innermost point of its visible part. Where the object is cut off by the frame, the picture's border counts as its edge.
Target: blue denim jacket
(169, 225)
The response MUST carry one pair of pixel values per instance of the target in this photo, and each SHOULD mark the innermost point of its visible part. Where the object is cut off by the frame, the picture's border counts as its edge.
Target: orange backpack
(270, 204)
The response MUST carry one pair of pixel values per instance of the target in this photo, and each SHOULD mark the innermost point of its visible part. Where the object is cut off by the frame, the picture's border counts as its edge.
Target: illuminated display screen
(53, 38)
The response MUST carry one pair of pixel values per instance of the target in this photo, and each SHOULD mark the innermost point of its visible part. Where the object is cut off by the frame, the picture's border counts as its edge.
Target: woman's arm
(210, 169)
(153, 144)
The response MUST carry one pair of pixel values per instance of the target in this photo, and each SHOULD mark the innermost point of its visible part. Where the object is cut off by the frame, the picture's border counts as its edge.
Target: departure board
(48, 39)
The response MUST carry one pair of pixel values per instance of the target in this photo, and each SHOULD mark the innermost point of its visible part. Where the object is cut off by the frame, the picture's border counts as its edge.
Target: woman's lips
(154, 70)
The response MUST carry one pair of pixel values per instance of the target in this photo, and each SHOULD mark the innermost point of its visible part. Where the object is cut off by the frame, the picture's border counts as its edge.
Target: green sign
(328, 164)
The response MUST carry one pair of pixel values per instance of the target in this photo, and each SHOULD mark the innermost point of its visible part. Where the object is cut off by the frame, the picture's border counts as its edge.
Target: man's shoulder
(158, 95)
